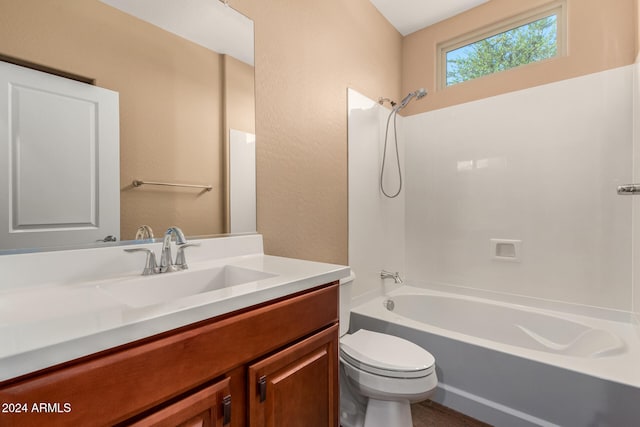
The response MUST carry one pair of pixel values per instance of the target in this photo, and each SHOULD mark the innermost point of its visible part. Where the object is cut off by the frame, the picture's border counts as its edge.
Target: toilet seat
(386, 355)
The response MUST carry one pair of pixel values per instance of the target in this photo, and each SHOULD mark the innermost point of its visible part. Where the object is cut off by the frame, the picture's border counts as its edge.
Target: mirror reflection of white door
(59, 160)
(242, 177)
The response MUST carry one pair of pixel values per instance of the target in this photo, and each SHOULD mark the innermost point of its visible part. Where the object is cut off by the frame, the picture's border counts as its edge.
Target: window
(531, 37)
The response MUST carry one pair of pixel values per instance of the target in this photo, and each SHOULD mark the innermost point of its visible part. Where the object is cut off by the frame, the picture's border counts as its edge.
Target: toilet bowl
(380, 374)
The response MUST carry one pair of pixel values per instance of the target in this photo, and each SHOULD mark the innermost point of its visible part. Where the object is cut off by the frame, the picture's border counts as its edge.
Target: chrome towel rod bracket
(138, 183)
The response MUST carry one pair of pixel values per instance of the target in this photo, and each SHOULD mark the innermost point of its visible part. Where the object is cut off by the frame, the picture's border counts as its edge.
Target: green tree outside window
(528, 43)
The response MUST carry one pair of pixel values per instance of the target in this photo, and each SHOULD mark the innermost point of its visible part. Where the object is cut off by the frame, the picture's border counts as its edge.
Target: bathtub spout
(384, 274)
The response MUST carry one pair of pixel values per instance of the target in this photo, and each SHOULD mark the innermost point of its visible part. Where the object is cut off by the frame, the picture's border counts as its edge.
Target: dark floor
(432, 414)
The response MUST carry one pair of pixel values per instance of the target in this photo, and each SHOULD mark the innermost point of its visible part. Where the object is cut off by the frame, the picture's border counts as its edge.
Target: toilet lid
(386, 355)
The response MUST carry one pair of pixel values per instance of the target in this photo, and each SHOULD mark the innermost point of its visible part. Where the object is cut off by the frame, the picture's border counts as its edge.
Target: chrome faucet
(384, 274)
(166, 261)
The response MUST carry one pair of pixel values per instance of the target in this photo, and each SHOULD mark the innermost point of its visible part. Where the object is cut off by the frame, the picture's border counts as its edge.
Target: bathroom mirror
(184, 73)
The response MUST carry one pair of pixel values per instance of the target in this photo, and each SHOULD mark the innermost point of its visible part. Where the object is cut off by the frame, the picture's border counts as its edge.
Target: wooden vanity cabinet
(271, 365)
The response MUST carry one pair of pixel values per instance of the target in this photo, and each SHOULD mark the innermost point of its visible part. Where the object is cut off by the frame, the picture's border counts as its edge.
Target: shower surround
(538, 167)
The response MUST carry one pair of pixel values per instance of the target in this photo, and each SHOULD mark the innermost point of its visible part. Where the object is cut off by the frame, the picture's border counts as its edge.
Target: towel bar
(138, 183)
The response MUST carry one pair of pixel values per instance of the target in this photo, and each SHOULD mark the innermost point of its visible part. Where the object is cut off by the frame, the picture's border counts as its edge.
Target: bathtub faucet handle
(384, 274)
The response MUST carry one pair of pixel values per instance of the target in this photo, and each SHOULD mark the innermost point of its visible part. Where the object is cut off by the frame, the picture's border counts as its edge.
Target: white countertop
(44, 324)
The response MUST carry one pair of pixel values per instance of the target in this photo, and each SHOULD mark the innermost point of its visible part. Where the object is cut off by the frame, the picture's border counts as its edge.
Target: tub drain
(389, 304)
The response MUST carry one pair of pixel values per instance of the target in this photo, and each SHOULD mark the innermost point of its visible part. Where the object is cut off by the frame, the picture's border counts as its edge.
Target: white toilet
(380, 374)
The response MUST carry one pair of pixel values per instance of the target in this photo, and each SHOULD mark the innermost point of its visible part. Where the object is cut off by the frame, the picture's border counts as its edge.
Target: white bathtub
(512, 365)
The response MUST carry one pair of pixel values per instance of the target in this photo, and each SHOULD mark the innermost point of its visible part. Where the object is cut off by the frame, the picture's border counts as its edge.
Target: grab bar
(138, 183)
(629, 189)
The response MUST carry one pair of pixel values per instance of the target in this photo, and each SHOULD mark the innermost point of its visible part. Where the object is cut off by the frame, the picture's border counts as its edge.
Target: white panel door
(59, 160)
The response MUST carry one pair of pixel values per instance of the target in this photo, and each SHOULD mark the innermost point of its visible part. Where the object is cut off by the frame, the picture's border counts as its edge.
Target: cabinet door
(297, 386)
(209, 407)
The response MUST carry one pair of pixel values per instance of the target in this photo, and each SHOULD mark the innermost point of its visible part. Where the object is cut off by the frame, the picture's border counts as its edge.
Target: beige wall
(307, 53)
(239, 95)
(170, 102)
(601, 35)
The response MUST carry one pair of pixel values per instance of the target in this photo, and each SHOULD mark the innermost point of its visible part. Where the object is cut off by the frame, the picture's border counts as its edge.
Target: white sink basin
(160, 288)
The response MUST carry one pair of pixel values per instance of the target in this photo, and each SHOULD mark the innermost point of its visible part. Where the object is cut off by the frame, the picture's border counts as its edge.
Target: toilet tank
(345, 302)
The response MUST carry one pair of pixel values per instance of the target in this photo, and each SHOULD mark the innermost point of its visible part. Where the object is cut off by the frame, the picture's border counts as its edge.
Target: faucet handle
(181, 261)
(151, 266)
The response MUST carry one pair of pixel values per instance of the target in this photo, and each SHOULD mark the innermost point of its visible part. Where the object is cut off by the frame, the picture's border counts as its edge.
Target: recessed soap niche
(505, 250)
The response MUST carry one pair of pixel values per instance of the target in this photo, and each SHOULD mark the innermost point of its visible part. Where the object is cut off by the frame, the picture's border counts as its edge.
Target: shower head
(420, 93)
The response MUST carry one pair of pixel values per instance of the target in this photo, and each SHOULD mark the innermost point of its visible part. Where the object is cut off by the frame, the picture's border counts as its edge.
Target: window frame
(557, 8)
